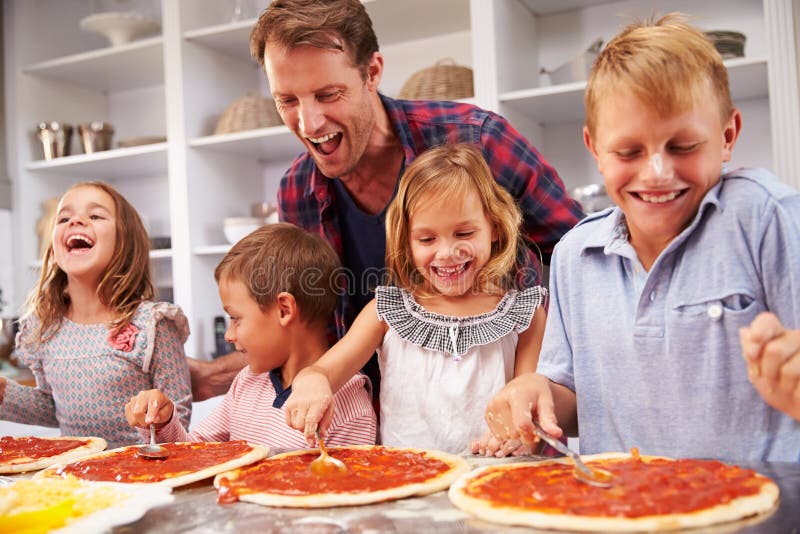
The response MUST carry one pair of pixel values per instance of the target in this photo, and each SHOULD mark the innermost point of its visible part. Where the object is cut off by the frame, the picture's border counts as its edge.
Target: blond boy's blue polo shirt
(654, 357)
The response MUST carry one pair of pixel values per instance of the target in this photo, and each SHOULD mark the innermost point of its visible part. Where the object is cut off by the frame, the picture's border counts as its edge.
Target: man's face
(322, 97)
(658, 169)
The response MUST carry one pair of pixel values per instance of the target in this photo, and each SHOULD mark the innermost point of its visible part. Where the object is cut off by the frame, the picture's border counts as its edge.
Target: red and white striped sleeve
(354, 421)
(215, 427)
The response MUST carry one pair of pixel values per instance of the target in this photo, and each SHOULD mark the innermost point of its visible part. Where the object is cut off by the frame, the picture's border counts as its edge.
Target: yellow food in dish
(33, 506)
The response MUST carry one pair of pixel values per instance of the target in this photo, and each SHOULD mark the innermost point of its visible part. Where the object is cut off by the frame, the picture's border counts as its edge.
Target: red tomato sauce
(640, 488)
(35, 448)
(184, 458)
(368, 470)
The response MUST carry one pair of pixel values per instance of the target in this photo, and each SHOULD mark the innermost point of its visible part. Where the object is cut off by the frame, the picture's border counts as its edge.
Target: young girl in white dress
(92, 334)
(451, 329)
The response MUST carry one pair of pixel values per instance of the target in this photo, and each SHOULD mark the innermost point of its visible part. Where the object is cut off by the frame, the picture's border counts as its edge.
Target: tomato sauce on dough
(368, 470)
(34, 448)
(640, 488)
(184, 458)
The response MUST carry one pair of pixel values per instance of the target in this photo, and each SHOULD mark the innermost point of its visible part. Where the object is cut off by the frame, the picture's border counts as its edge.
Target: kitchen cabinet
(177, 84)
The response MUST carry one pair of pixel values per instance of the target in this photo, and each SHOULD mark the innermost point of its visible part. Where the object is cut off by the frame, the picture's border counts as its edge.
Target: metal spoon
(588, 475)
(152, 450)
(325, 464)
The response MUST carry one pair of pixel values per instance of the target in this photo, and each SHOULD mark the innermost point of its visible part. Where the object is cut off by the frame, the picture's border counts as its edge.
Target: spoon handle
(553, 442)
(559, 446)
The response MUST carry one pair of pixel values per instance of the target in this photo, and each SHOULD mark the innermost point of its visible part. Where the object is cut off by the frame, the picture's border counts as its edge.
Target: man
(322, 61)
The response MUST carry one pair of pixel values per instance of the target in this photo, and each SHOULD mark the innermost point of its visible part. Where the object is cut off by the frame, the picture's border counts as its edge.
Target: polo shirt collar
(611, 232)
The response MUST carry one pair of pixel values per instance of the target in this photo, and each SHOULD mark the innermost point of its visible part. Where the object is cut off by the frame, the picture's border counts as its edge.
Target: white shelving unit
(178, 83)
(111, 164)
(122, 68)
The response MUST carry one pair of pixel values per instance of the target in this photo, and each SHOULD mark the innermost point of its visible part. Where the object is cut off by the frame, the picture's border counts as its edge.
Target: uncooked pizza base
(256, 453)
(457, 467)
(21, 465)
(736, 509)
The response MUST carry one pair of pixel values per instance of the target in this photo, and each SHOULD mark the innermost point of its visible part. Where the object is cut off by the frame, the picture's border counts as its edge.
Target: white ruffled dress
(438, 372)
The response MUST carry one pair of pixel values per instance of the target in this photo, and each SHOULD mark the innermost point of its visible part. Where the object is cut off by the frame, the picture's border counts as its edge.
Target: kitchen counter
(195, 510)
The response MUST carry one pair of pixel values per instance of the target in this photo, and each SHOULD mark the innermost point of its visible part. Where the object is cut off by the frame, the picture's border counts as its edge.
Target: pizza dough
(648, 493)
(186, 463)
(374, 474)
(21, 454)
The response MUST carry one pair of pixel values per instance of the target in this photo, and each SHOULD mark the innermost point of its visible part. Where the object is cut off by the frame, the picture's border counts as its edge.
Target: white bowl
(236, 228)
(120, 27)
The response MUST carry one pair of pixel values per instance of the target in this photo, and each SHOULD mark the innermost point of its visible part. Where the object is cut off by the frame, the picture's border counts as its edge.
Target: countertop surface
(195, 510)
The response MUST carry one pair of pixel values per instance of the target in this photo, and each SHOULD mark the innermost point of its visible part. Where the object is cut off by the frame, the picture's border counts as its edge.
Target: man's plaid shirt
(306, 196)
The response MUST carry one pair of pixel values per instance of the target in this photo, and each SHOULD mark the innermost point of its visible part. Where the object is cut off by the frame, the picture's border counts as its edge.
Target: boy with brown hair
(647, 298)
(278, 285)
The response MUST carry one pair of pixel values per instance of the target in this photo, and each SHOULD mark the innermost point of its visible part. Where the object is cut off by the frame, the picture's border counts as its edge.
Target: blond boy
(641, 347)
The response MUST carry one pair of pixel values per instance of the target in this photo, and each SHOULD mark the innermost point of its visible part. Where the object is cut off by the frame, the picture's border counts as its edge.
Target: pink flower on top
(125, 339)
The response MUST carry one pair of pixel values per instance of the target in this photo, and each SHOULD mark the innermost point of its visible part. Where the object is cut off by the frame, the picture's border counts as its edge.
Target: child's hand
(310, 404)
(772, 354)
(488, 445)
(509, 414)
(149, 407)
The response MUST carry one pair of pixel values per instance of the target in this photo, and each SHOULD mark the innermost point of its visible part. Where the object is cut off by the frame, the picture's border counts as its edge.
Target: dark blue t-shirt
(363, 246)
(364, 249)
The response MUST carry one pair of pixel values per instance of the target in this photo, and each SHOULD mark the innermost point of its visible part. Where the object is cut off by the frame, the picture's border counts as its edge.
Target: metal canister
(56, 139)
(96, 136)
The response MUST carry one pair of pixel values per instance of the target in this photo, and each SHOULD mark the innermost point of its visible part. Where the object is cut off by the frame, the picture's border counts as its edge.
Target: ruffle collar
(456, 335)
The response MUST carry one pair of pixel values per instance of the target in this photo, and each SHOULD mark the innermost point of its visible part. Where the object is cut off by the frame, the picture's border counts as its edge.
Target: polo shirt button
(715, 312)
(652, 296)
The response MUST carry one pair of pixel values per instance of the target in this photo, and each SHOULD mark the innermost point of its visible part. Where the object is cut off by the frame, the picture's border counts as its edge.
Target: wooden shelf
(548, 7)
(160, 253)
(232, 38)
(264, 143)
(212, 250)
(109, 164)
(408, 20)
(564, 103)
(550, 104)
(395, 22)
(129, 66)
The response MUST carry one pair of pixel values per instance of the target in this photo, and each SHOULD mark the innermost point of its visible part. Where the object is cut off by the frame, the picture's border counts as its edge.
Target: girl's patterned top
(460, 362)
(84, 378)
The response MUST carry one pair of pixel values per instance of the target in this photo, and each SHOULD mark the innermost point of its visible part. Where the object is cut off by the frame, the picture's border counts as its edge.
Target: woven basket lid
(443, 81)
(248, 113)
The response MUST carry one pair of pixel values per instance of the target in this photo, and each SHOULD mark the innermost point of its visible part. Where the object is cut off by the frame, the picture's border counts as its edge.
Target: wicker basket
(248, 113)
(729, 44)
(443, 81)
